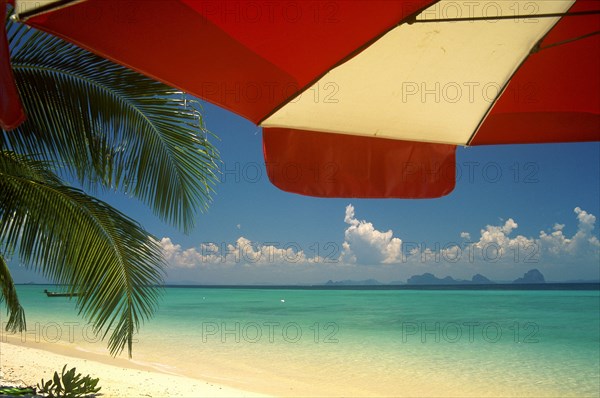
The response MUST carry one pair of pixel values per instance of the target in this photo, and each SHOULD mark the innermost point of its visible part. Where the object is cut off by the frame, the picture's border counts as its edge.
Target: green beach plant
(94, 126)
(68, 385)
(16, 391)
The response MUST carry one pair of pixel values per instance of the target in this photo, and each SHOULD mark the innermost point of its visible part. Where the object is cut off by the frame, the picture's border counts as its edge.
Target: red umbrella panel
(360, 98)
(11, 112)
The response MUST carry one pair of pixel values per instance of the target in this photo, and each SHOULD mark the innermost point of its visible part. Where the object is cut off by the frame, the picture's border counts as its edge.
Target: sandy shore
(23, 365)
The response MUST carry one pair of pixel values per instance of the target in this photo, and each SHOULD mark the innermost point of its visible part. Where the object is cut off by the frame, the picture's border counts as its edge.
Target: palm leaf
(77, 240)
(16, 314)
(110, 126)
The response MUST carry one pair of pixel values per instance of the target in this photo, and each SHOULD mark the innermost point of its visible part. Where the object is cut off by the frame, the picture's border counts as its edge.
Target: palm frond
(16, 314)
(111, 126)
(77, 240)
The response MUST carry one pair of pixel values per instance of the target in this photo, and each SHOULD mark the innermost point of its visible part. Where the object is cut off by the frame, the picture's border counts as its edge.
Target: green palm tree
(93, 125)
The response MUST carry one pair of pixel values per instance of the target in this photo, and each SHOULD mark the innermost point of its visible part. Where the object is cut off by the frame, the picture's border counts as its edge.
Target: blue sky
(514, 208)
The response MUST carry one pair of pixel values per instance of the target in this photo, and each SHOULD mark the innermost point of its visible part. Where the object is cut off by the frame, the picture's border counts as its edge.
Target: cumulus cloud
(363, 244)
(498, 236)
(556, 242)
(170, 249)
(586, 220)
(176, 256)
(495, 243)
(242, 252)
(498, 240)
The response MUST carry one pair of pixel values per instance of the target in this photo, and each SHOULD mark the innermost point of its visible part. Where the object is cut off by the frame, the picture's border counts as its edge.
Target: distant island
(430, 279)
(367, 282)
(533, 276)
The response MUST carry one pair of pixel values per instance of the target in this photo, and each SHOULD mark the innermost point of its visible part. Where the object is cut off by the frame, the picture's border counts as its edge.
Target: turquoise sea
(359, 341)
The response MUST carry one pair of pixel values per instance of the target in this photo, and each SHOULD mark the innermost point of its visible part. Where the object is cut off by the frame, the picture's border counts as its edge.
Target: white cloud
(176, 256)
(246, 252)
(243, 252)
(170, 250)
(497, 243)
(349, 217)
(586, 220)
(497, 236)
(363, 244)
(553, 244)
(556, 242)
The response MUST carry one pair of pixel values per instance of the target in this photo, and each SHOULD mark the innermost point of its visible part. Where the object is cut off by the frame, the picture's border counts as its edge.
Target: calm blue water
(360, 342)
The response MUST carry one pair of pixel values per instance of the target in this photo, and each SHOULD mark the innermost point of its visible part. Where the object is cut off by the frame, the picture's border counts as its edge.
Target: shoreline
(22, 364)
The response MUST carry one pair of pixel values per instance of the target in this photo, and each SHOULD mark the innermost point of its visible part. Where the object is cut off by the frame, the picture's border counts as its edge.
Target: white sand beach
(22, 365)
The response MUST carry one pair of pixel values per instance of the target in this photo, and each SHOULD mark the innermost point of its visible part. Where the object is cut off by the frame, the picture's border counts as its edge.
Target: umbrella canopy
(360, 98)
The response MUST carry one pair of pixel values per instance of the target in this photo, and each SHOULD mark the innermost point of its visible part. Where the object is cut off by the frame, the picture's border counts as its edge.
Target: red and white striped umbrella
(357, 98)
